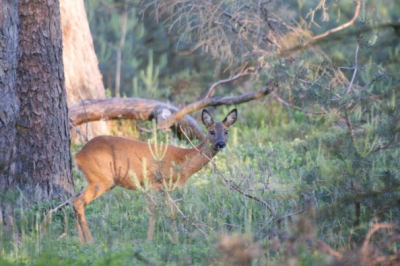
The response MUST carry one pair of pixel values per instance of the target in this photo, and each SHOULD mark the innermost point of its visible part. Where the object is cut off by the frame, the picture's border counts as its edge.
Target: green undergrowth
(293, 164)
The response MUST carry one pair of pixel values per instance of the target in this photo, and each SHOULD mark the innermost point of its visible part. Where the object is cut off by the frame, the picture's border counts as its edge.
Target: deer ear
(230, 119)
(206, 118)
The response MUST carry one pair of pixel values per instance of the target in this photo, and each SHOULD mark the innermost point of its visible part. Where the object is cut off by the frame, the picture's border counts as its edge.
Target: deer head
(217, 132)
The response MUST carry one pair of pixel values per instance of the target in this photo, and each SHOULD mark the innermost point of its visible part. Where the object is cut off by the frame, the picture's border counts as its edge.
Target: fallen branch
(166, 115)
(130, 108)
(213, 102)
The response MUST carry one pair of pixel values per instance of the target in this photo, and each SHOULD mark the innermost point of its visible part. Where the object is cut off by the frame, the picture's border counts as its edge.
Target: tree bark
(8, 66)
(83, 79)
(9, 108)
(42, 148)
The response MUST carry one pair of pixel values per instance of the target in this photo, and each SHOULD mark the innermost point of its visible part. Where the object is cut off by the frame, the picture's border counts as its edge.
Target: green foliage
(112, 34)
(149, 78)
(149, 51)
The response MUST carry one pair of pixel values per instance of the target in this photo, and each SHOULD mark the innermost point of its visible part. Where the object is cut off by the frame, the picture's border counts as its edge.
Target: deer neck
(197, 158)
(205, 151)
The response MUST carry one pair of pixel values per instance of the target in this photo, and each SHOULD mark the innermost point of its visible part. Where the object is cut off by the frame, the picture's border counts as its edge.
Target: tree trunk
(42, 160)
(83, 79)
(9, 102)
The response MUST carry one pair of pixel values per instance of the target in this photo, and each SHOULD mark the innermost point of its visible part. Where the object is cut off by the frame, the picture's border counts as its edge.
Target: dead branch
(114, 108)
(212, 102)
(77, 130)
(243, 72)
(279, 99)
(339, 28)
(349, 126)
(56, 209)
(373, 256)
(166, 115)
(374, 227)
(244, 27)
(325, 248)
(280, 219)
(130, 108)
(355, 69)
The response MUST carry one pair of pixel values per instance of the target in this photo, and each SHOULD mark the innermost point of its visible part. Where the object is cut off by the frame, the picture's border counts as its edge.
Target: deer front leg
(84, 233)
(91, 192)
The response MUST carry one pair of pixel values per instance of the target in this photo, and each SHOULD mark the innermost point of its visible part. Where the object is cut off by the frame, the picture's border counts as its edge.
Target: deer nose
(220, 145)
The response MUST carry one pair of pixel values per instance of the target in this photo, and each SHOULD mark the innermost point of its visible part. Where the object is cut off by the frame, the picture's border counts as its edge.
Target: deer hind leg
(91, 192)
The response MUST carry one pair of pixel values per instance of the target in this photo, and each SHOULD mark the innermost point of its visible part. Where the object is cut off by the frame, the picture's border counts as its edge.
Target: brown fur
(108, 161)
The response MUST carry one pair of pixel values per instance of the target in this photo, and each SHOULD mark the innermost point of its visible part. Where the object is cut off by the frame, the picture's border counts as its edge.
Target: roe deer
(107, 161)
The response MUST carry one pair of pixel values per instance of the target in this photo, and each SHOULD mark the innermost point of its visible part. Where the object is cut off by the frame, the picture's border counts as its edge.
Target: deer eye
(226, 132)
(212, 132)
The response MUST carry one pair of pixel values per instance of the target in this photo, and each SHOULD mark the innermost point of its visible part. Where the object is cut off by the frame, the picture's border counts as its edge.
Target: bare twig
(56, 209)
(278, 220)
(387, 146)
(230, 183)
(355, 69)
(321, 6)
(325, 248)
(371, 256)
(359, 68)
(185, 218)
(194, 48)
(212, 102)
(73, 126)
(349, 125)
(372, 230)
(244, 27)
(279, 99)
(341, 27)
(243, 72)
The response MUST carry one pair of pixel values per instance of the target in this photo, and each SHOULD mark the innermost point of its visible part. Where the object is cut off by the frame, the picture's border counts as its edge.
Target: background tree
(83, 79)
(146, 46)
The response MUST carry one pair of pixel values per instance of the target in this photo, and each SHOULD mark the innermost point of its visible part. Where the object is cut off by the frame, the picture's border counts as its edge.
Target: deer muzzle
(220, 145)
